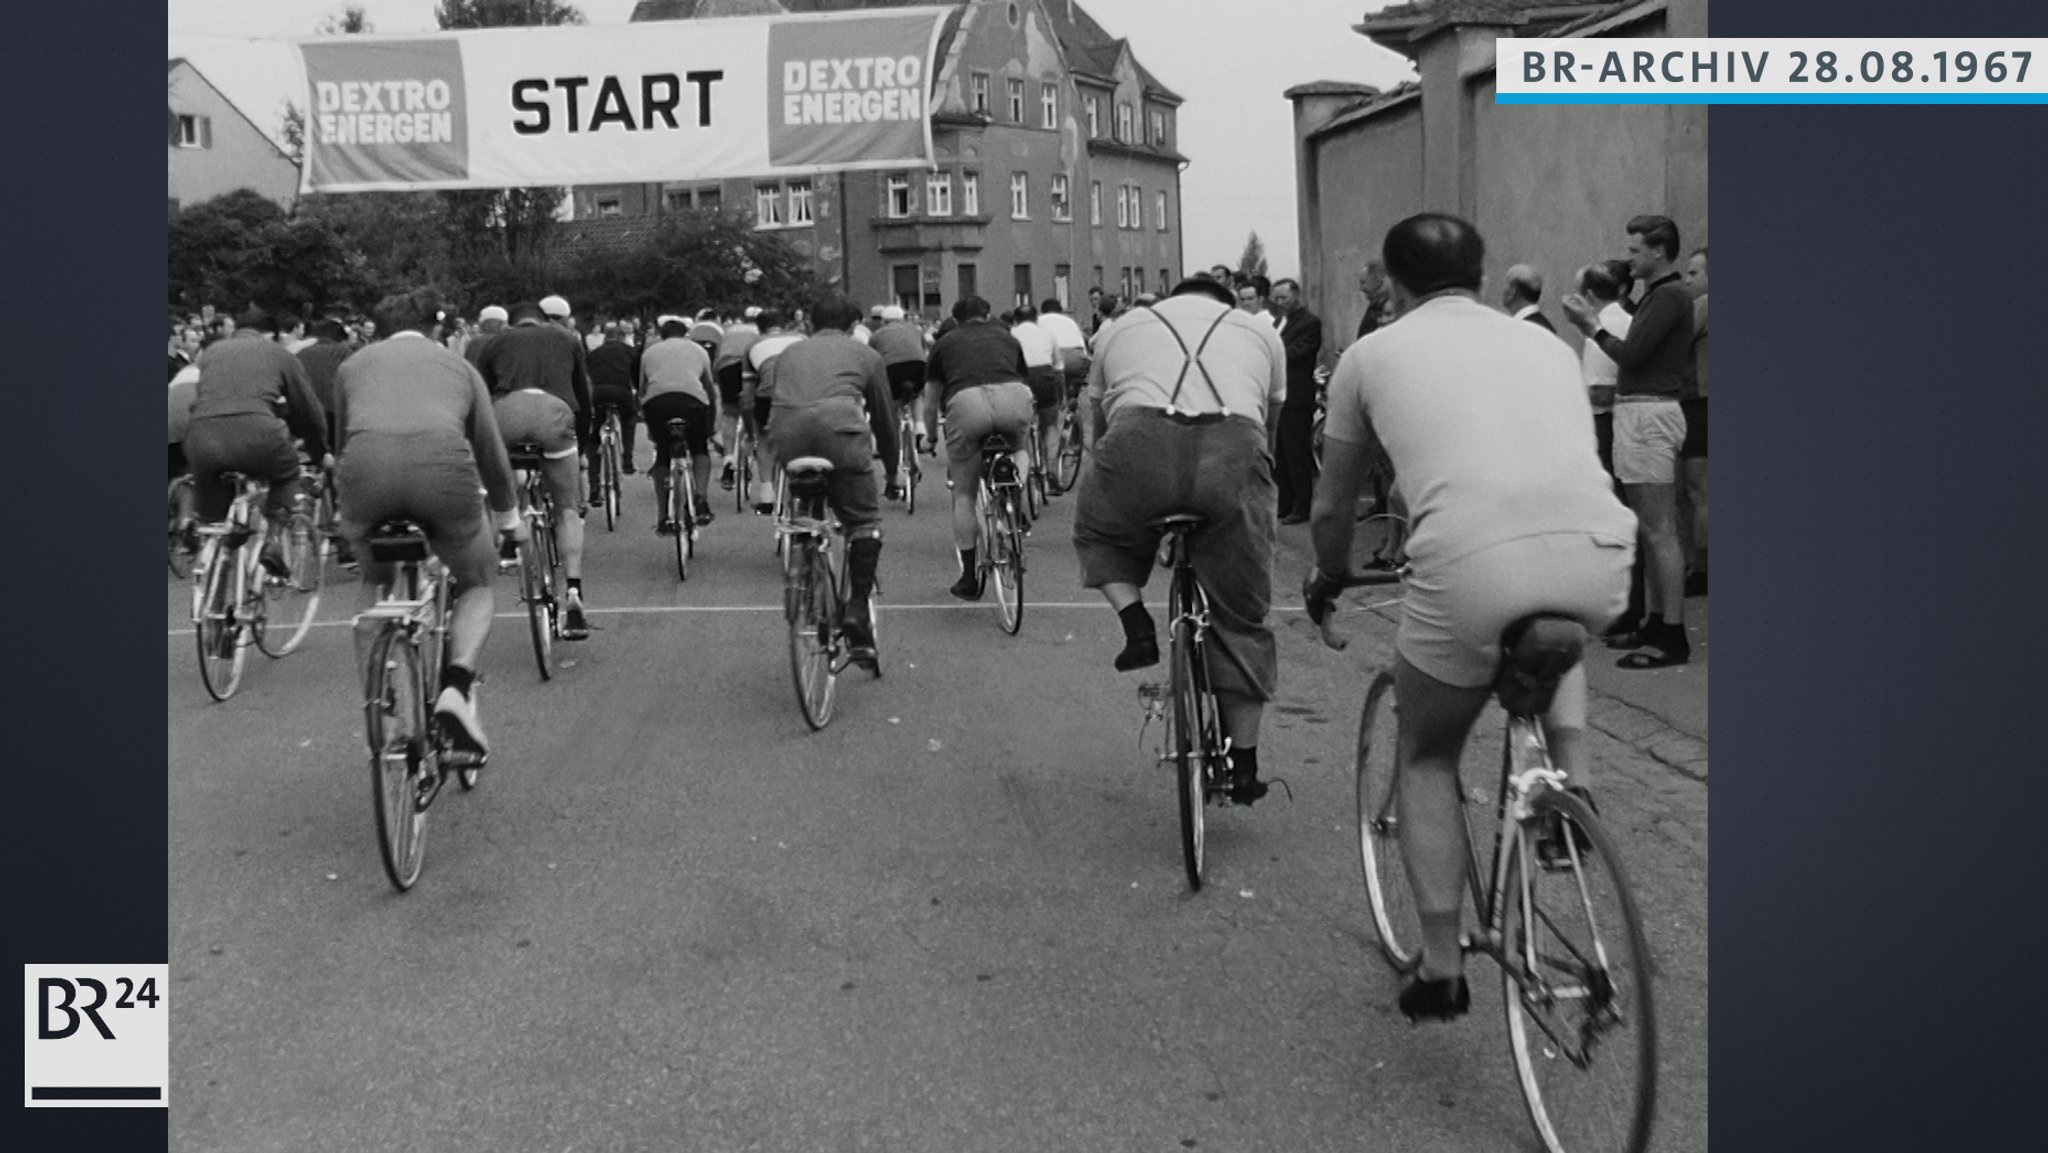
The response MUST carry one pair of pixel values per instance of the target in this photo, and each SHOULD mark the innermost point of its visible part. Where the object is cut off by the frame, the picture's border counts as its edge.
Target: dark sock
(576, 585)
(1245, 760)
(967, 560)
(458, 678)
(1137, 622)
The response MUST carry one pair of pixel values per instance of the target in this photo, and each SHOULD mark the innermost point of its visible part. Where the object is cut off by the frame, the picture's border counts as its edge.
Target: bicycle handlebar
(1320, 598)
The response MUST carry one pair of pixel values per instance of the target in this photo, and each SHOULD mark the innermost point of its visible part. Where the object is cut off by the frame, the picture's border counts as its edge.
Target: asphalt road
(673, 918)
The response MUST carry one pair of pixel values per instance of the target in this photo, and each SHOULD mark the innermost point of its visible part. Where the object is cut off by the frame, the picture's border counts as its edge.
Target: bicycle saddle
(996, 442)
(804, 464)
(1536, 652)
(526, 454)
(1180, 520)
(398, 540)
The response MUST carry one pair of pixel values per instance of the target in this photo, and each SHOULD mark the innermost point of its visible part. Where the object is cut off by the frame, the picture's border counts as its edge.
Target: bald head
(1524, 286)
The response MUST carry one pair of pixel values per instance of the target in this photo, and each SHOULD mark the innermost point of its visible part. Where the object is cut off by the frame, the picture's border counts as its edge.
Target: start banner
(655, 101)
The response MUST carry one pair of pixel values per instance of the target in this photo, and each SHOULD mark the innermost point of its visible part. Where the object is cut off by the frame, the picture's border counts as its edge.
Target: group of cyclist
(1485, 420)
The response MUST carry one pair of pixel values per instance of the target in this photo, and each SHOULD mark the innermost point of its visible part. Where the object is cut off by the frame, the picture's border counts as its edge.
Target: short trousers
(1647, 434)
(618, 398)
(1047, 389)
(1453, 613)
(906, 380)
(427, 477)
(1076, 372)
(973, 414)
(731, 379)
(539, 417)
(696, 418)
(838, 431)
(1695, 446)
(254, 444)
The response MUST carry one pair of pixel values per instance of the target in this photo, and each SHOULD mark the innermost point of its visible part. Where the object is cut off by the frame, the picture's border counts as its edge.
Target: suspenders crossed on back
(1191, 360)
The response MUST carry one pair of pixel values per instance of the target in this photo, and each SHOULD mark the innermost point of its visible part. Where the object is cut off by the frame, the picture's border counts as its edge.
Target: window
(1123, 122)
(903, 279)
(1159, 210)
(708, 199)
(800, 202)
(981, 93)
(1123, 208)
(1097, 282)
(1062, 283)
(676, 200)
(1094, 117)
(1158, 127)
(967, 285)
(1016, 101)
(767, 206)
(1020, 196)
(1048, 105)
(899, 196)
(1061, 209)
(1022, 294)
(608, 206)
(1124, 290)
(1095, 203)
(970, 193)
(938, 194)
(193, 132)
(1165, 281)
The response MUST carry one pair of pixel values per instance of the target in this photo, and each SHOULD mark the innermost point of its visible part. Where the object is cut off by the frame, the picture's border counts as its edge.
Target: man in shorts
(675, 384)
(614, 377)
(1185, 388)
(729, 368)
(902, 350)
(1491, 436)
(1654, 362)
(1042, 371)
(541, 394)
(757, 397)
(418, 440)
(976, 376)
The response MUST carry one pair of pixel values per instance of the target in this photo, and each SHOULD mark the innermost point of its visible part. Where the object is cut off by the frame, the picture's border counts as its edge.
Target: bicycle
(1572, 992)
(999, 503)
(815, 590)
(539, 557)
(1036, 495)
(1069, 456)
(608, 439)
(906, 441)
(236, 601)
(682, 499)
(742, 462)
(410, 757)
(182, 551)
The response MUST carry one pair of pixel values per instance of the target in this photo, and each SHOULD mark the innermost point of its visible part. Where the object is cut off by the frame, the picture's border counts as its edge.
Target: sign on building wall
(654, 101)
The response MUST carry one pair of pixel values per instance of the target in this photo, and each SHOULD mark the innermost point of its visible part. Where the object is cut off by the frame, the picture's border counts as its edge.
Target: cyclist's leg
(968, 420)
(560, 473)
(764, 456)
(1435, 719)
(659, 413)
(1112, 504)
(1224, 469)
(697, 435)
(851, 491)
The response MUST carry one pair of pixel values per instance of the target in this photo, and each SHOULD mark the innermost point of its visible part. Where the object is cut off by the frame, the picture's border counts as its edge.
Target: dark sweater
(1656, 357)
(976, 353)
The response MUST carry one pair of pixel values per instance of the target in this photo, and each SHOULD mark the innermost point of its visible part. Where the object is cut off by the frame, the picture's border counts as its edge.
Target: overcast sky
(1230, 60)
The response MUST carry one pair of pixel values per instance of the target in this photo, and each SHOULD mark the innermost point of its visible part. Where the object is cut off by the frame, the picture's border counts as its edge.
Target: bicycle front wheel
(1187, 743)
(1379, 829)
(608, 483)
(214, 624)
(1006, 544)
(1070, 453)
(907, 450)
(535, 588)
(811, 600)
(683, 512)
(1576, 983)
(394, 720)
(291, 601)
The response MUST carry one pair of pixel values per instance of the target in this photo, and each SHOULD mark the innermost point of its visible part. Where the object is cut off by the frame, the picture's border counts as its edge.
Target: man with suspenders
(1184, 389)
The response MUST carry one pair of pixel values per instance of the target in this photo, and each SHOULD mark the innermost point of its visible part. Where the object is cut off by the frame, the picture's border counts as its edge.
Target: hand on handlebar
(1319, 595)
(513, 527)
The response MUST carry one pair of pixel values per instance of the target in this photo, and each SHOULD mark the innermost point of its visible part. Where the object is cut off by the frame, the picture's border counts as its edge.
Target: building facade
(216, 149)
(1547, 185)
(1057, 169)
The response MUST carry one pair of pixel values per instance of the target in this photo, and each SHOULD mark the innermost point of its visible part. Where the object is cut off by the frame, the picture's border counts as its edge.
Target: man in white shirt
(757, 398)
(1605, 283)
(1042, 365)
(1522, 298)
(1073, 361)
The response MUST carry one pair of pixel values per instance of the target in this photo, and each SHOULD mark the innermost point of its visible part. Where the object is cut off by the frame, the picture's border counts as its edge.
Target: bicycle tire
(608, 480)
(395, 727)
(180, 559)
(1186, 736)
(1002, 541)
(812, 599)
(1383, 535)
(214, 624)
(292, 602)
(1379, 829)
(906, 450)
(1613, 965)
(682, 513)
(535, 588)
(1070, 451)
(689, 515)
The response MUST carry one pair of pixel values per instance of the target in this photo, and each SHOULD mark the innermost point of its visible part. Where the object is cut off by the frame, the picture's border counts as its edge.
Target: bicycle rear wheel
(907, 450)
(1581, 1020)
(1006, 544)
(180, 557)
(222, 648)
(537, 591)
(1070, 450)
(292, 601)
(395, 722)
(608, 481)
(812, 601)
(1186, 737)
(1383, 537)
(1379, 829)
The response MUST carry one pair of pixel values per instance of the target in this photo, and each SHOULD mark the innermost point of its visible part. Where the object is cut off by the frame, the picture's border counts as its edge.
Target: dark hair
(834, 310)
(1051, 306)
(1204, 284)
(675, 328)
(1432, 251)
(1607, 280)
(256, 318)
(329, 329)
(770, 318)
(1107, 304)
(1025, 314)
(417, 310)
(970, 308)
(524, 310)
(1656, 231)
(1291, 282)
(1264, 286)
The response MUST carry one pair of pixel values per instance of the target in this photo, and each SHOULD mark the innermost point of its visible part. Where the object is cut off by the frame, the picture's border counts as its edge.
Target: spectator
(1301, 334)
(1523, 295)
(1692, 455)
(1254, 295)
(1372, 282)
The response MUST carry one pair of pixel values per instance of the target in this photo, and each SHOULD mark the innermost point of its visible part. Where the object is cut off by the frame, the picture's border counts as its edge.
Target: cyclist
(705, 331)
(1073, 362)
(244, 380)
(614, 375)
(757, 397)
(675, 384)
(184, 389)
(419, 438)
(902, 349)
(1491, 436)
(976, 377)
(536, 374)
(831, 399)
(1186, 388)
(729, 366)
(1042, 362)
(489, 323)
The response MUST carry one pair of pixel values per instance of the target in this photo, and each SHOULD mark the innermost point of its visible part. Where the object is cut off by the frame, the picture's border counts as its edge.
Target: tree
(453, 14)
(242, 249)
(351, 21)
(1253, 262)
(692, 259)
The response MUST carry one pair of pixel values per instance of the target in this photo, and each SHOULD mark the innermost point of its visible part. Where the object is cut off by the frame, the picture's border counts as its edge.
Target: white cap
(664, 318)
(491, 312)
(892, 312)
(753, 310)
(554, 306)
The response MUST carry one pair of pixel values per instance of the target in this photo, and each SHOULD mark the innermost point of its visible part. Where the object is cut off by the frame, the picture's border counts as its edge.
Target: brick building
(215, 148)
(1057, 169)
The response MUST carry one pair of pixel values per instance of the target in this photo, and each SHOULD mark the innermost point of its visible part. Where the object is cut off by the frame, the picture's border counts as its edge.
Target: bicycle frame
(806, 531)
(1186, 601)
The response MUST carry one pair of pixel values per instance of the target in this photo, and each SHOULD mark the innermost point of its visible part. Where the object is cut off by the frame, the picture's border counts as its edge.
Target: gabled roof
(246, 118)
(712, 9)
(1091, 49)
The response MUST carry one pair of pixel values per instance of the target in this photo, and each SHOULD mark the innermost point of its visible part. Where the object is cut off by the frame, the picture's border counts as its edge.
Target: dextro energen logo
(852, 90)
(384, 112)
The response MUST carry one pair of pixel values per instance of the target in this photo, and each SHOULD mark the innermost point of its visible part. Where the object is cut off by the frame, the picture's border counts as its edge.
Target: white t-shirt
(1040, 350)
(1598, 368)
(1486, 421)
(1065, 333)
(1137, 361)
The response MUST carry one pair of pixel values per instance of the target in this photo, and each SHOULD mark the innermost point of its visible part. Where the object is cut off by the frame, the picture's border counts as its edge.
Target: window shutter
(206, 132)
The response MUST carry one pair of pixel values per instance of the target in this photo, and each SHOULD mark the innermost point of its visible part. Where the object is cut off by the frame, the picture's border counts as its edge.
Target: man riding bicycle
(536, 374)
(676, 384)
(614, 375)
(1491, 437)
(831, 397)
(1186, 387)
(419, 437)
(902, 349)
(975, 376)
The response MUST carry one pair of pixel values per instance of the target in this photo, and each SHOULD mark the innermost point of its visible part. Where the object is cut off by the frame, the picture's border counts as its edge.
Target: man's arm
(882, 413)
(303, 407)
(579, 383)
(1303, 337)
(487, 444)
(1652, 322)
